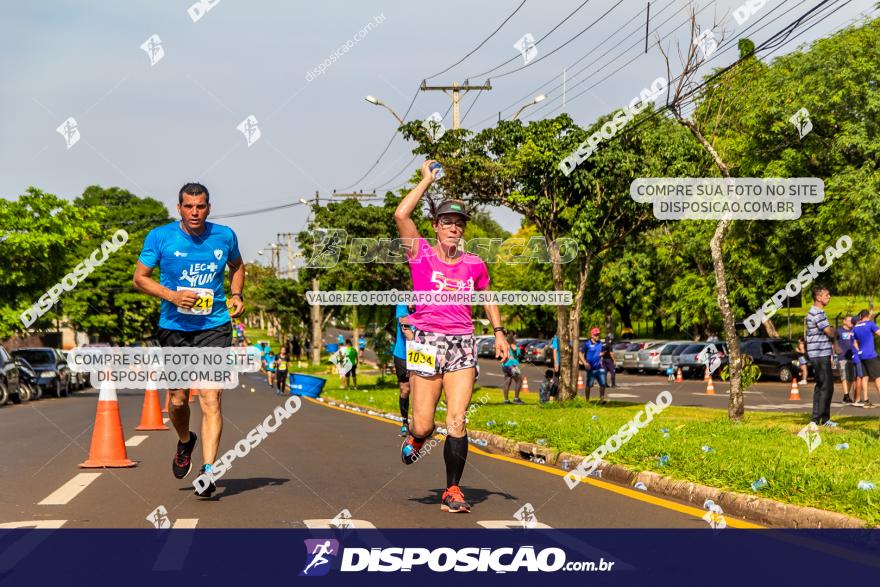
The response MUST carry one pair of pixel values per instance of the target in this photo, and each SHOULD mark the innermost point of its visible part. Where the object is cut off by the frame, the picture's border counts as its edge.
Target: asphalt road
(320, 462)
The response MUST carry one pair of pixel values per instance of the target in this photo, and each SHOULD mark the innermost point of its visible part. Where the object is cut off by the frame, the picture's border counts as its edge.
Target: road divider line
(71, 489)
(624, 491)
(135, 440)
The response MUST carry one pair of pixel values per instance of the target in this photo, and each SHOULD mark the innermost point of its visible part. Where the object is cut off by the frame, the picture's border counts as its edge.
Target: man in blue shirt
(191, 255)
(864, 333)
(845, 358)
(399, 352)
(554, 344)
(591, 358)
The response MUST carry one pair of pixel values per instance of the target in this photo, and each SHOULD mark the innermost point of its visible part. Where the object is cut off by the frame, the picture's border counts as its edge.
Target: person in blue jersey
(192, 255)
(863, 343)
(590, 356)
(399, 352)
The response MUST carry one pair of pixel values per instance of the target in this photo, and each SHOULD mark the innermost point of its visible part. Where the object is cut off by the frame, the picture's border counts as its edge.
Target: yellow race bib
(204, 304)
(421, 358)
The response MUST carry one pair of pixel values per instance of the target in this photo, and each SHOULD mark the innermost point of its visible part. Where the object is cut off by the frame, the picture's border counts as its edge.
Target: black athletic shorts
(872, 367)
(221, 336)
(400, 369)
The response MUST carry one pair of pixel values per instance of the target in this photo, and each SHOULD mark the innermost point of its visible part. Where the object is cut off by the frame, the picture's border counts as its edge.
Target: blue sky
(149, 128)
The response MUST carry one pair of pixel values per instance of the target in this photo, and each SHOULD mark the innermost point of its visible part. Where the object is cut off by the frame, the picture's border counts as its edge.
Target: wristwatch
(241, 297)
(501, 330)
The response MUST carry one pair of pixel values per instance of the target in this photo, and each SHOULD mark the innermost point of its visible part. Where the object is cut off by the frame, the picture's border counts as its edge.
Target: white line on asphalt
(70, 489)
(620, 395)
(135, 440)
(185, 523)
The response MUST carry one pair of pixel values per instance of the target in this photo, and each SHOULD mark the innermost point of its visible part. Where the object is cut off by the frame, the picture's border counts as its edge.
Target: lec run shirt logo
(192, 263)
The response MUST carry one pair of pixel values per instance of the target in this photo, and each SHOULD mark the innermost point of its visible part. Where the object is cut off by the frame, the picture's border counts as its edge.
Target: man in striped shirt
(821, 342)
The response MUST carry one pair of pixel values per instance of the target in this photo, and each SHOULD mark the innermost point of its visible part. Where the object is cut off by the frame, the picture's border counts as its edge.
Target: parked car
(535, 352)
(53, 374)
(10, 386)
(691, 367)
(618, 348)
(486, 348)
(648, 360)
(631, 355)
(668, 354)
(80, 379)
(775, 357)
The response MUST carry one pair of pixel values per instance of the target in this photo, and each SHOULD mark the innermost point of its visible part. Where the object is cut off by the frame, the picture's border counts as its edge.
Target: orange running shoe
(453, 501)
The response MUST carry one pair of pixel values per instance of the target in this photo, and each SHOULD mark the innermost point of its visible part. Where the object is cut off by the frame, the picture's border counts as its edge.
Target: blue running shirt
(400, 311)
(592, 351)
(864, 333)
(187, 262)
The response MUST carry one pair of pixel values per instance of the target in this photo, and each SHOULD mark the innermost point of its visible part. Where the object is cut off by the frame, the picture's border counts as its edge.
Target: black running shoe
(181, 465)
(210, 489)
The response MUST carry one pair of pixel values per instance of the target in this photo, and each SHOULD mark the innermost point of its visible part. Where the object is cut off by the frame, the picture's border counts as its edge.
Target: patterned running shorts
(454, 351)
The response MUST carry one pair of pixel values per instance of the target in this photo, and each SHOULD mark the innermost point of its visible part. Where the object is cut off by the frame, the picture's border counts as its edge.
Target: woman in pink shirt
(442, 354)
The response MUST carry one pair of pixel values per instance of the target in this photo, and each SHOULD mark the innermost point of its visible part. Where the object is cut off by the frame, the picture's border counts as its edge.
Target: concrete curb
(759, 510)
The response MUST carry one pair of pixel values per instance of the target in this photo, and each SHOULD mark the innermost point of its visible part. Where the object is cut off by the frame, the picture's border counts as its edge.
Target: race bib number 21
(204, 304)
(421, 358)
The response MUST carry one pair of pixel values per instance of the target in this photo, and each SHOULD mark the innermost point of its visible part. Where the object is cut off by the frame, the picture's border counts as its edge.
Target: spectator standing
(821, 342)
(802, 359)
(591, 357)
(845, 357)
(512, 372)
(608, 362)
(864, 333)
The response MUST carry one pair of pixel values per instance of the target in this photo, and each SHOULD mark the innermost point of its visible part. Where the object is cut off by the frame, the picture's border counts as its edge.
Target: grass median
(764, 444)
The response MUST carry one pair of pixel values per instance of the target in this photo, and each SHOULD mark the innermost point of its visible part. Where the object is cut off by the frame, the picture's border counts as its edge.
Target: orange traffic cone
(678, 377)
(710, 387)
(525, 384)
(108, 443)
(795, 394)
(580, 382)
(151, 416)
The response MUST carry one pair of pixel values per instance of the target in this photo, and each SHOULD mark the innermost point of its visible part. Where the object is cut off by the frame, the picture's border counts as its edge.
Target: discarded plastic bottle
(664, 459)
(640, 485)
(511, 423)
(483, 442)
(566, 465)
(490, 423)
(665, 435)
(866, 486)
(708, 504)
(595, 417)
(664, 430)
(759, 484)
(842, 446)
(541, 441)
(707, 449)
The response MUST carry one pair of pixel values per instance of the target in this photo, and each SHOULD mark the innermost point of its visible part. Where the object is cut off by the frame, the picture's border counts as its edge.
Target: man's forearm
(236, 280)
(152, 287)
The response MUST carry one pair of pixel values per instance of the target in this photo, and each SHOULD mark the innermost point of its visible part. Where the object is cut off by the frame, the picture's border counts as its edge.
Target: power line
(385, 150)
(534, 61)
(550, 32)
(477, 48)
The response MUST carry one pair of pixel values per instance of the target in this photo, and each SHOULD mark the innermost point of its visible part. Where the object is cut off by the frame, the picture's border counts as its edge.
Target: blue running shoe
(404, 430)
(409, 450)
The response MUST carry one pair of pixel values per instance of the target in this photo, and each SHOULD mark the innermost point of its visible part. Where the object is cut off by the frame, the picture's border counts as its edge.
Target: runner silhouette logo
(320, 556)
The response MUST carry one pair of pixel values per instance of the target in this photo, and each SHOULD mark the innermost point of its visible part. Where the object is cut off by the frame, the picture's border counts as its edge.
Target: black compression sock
(455, 452)
(404, 407)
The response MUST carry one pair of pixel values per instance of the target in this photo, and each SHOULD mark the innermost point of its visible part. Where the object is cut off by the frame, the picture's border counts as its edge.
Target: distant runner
(191, 255)
(399, 352)
(442, 355)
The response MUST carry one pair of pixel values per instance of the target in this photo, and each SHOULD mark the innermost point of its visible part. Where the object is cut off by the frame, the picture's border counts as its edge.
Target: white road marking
(70, 489)
(37, 524)
(135, 440)
(616, 395)
(350, 524)
(508, 524)
(185, 523)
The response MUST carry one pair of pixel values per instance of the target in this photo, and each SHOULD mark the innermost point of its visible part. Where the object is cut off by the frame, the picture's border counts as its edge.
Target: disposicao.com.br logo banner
(322, 554)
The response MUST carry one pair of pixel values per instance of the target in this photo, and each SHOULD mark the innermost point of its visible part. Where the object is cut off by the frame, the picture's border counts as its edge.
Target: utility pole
(291, 270)
(316, 315)
(455, 94)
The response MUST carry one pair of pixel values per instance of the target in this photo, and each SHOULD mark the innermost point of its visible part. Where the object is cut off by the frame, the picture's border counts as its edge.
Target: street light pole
(377, 102)
(537, 99)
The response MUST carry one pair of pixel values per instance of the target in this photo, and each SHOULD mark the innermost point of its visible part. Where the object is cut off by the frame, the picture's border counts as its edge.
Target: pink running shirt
(429, 273)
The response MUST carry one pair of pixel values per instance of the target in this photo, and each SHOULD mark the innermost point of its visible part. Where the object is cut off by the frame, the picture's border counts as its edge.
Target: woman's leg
(424, 395)
(459, 386)
(518, 385)
(506, 388)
